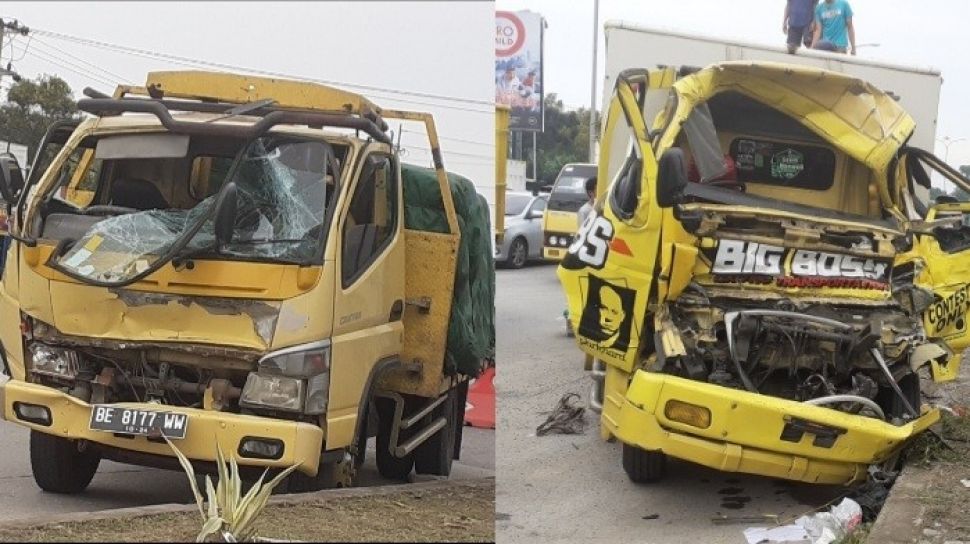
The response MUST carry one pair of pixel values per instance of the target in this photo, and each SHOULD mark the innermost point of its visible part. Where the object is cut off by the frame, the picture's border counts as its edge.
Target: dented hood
(137, 316)
(851, 114)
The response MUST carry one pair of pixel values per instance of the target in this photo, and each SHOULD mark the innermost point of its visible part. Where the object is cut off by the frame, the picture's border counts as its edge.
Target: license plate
(115, 419)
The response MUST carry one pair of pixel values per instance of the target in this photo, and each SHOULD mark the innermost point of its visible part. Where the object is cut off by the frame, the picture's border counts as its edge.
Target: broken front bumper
(752, 433)
(70, 418)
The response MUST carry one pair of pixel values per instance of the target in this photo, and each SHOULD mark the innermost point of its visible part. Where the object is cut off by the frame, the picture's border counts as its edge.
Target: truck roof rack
(277, 101)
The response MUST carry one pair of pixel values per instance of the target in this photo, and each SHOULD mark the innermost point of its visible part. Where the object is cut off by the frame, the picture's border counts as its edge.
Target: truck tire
(389, 466)
(436, 454)
(60, 465)
(337, 475)
(643, 466)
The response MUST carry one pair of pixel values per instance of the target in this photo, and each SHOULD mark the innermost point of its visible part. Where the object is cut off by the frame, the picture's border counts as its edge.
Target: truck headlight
(553, 241)
(54, 361)
(295, 379)
(276, 392)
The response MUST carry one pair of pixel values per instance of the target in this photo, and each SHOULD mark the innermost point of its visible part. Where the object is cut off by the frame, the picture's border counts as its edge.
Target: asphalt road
(572, 488)
(117, 485)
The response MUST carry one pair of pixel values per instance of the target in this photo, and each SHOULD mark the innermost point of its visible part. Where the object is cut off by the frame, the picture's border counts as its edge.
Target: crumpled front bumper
(302, 442)
(756, 434)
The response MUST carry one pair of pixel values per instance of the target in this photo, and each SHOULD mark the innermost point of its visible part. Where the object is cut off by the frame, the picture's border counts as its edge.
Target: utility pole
(592, 92)
(16, 28)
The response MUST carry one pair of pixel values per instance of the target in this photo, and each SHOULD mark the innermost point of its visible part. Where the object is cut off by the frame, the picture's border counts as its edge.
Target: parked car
(523, 229)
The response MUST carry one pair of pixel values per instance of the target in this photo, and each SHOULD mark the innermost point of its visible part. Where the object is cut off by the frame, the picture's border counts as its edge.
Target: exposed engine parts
(99, 376)
(855, 359)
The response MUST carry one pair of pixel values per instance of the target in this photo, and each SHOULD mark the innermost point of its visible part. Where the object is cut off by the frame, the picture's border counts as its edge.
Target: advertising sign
(518, 67)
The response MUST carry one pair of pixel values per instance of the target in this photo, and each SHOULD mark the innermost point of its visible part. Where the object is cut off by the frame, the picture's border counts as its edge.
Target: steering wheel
(108, 209)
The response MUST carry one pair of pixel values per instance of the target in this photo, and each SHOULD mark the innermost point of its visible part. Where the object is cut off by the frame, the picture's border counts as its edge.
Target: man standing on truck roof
(833, 26)
(797, 23)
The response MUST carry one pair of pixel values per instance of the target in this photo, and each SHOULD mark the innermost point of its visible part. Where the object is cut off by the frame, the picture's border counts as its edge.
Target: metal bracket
(402, 450)
(423, 304)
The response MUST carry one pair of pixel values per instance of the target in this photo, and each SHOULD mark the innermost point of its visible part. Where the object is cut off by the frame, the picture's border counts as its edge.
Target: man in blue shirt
(797, 23)
(833, 26)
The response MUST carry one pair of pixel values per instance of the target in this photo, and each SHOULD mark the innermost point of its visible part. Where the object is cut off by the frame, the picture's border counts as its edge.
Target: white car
(523, 229)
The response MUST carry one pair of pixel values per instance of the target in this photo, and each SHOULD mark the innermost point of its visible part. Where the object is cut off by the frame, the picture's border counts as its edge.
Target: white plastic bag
(819, 528)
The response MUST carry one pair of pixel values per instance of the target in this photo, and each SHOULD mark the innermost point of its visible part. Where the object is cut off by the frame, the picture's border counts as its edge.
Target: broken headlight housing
(54, 361)
(295, 379)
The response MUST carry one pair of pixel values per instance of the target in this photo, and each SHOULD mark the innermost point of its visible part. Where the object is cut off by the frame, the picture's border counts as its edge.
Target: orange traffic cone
(480, 407)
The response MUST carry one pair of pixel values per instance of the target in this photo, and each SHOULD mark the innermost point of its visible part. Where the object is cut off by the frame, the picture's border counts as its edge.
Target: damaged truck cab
(224, 259)
(762, 282)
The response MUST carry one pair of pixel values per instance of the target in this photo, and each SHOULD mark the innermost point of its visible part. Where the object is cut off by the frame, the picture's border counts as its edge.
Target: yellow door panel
(609, 268)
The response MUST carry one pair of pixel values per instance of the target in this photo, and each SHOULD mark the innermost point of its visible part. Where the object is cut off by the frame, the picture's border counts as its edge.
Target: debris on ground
(818, 528)
(871, 496)
(731, 520)
(569, 417)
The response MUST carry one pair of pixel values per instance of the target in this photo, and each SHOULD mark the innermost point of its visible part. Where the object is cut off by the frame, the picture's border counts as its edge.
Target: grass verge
(460, 513)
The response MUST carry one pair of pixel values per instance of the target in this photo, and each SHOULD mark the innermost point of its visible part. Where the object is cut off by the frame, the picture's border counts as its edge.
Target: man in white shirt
(587, 208)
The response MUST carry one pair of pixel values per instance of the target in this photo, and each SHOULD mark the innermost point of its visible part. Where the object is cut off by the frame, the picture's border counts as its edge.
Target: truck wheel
(389, 466)
(330, 476)
(60, 465)
(643, 466)
(436, 454)
(518, 253)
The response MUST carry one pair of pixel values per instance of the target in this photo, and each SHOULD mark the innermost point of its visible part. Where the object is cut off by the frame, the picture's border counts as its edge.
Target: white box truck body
(632, 46)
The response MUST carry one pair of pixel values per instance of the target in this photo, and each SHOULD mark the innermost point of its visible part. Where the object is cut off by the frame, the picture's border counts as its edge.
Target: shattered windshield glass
(282, 193)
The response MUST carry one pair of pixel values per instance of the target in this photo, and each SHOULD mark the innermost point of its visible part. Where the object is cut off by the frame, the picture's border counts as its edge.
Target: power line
(177, 59)
(65, 65)
(446, 153)
(404, 130)
(118, 79)
(76, 68)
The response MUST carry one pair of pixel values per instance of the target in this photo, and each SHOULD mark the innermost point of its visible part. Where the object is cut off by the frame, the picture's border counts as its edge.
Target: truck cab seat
(136, 193)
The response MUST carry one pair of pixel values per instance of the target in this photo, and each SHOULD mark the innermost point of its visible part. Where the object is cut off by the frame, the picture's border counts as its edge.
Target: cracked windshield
(282, 188)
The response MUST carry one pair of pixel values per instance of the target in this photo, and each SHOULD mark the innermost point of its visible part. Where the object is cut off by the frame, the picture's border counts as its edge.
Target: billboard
(518, 67)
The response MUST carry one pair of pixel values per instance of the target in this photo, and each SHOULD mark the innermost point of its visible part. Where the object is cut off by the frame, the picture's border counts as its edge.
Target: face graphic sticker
(608, 314)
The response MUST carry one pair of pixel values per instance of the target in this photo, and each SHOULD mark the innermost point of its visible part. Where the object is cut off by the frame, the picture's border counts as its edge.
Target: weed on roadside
(949, 440)
(858, 536)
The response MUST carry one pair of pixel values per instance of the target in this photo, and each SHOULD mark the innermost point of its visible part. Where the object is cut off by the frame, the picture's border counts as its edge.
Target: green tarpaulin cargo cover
(471, 332)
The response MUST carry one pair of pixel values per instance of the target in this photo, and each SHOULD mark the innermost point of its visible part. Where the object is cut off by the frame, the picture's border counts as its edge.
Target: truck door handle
(397, 310)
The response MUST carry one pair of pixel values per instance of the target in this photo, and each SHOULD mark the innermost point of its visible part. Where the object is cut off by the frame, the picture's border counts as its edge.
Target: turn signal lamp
(688, 414)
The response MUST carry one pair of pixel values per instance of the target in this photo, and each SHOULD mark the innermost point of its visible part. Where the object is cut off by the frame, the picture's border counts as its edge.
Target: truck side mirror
(225, 218)
(671, 177)
(11, 179)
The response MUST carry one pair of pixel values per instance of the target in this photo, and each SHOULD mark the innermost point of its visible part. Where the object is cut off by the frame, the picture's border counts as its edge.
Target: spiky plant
(226, 512)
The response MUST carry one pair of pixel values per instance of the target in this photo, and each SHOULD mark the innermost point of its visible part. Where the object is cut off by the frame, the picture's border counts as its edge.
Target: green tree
(565, 139)
(32, 106)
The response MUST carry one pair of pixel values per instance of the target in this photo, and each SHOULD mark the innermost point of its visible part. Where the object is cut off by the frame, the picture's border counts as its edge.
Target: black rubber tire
(389, 466)
(328, 477)
(436, 454)
(518, 253)
(59, 466)
(643, 466)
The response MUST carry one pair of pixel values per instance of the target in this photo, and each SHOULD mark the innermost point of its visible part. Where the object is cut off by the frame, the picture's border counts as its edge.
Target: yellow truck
(561, 220)
(762, 283)
(224, 259)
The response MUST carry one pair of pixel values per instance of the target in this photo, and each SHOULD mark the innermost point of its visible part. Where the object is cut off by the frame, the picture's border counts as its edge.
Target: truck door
(369, 295)
(608, 270)
(10, 334)
(945, 249)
